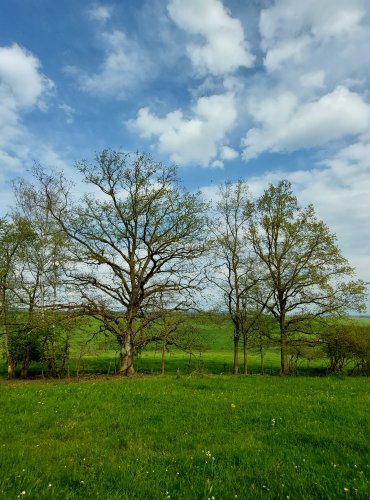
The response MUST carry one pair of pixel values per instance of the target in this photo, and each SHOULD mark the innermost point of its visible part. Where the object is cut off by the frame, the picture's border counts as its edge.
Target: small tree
(262, 336)
(14, 235)
(138, 239)
(234, 269)
(39, 276)
(347, 343)
(177, 331)
(305, 272)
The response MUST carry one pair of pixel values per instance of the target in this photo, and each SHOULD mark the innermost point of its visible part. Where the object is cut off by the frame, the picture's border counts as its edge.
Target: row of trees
(137, 250)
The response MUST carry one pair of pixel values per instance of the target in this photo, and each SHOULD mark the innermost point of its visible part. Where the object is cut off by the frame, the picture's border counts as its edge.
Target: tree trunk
(163, 357)
(236, 354)
(25, 364)
(245, 353)
(284, 368)
(11, 368)
(262, 359)
(127, 357)
(9, 358)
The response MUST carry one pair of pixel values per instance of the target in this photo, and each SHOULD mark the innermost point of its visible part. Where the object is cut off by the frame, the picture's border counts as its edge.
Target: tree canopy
(137, 239)
(133, 252)
(304, 270)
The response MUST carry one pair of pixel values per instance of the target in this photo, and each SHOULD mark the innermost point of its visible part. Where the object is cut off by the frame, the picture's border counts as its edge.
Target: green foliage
(44, 341)
(306, 276)
(347, 343)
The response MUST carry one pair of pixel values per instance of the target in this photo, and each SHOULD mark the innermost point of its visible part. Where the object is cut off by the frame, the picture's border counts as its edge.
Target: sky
(260, 90)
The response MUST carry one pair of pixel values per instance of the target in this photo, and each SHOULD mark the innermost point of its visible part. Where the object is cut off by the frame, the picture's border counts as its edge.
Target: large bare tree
(138, 238)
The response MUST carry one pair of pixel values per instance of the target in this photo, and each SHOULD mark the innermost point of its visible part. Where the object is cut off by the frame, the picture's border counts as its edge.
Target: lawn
(185, 437)
(195, 433)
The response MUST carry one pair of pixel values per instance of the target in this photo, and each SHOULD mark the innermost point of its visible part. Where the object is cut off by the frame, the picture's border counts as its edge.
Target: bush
(348, 344)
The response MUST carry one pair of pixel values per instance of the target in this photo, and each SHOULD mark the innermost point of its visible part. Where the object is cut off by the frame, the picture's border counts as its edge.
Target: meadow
(195, 433)
(187, 437)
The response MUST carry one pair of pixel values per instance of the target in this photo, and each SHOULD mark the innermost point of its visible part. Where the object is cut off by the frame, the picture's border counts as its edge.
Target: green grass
(193, 437)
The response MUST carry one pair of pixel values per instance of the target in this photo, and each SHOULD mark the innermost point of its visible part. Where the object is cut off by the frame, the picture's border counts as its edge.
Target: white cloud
(22, 85)
(101, 13)
(228, 153)
(125, 67)
(301, 37)
(198, 139)
(286, 125)
(332, 18)
(291, 50)
(22, 88)
(223, 48)
(217, 164)
(313, 79)
(339, 189)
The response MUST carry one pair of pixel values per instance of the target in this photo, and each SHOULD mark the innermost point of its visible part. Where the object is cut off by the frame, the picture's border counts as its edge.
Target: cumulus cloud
(228, 153)
(339, 189)
(101, 13)
(198, 139)
(22, 85)
(332, 18)
(125, 66)
(223, 48)
(285, 124)
(292, 50)
(313, 79)
(329, 36)
(22, 88)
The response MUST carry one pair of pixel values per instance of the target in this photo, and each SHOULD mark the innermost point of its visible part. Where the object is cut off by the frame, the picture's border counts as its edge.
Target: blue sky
(227, 89)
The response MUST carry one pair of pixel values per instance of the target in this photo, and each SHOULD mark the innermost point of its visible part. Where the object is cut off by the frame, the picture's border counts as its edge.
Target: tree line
(137, 253)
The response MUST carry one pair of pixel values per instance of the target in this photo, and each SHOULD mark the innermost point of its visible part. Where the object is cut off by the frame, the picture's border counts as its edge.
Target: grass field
(193, 437)
(195, 433)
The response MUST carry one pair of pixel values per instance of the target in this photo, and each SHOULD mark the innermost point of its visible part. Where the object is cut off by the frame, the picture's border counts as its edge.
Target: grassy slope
(186, 438)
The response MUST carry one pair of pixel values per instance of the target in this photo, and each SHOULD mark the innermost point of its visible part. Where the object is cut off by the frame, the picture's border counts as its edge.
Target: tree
(178, 331)
(347, 343)
(234, 271)
(137, 238)
(40, 277)
(305, 271)
(262, 336)
(13, 236)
